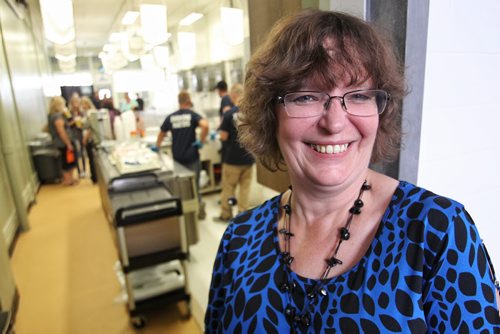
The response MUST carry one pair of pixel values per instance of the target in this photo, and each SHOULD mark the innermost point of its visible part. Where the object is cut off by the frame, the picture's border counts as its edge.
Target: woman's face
(327, 150)
(59, 105)
(75, 103)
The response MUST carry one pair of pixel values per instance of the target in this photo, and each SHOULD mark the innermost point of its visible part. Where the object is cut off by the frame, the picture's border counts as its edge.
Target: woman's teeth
(330, 149)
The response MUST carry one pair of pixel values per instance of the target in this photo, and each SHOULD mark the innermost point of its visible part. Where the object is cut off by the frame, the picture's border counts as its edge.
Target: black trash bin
(47, 160)
(48, 165)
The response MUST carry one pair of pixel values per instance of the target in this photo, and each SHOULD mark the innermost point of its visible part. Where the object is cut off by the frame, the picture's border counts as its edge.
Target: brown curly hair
(293, 52)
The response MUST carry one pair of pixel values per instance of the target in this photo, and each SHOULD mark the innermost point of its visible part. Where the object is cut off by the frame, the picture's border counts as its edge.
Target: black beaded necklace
(303, 318)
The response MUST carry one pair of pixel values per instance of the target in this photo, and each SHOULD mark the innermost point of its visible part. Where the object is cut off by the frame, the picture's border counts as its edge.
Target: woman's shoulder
(408, 193)
(412, 203)
(257, 218)
(55, 116)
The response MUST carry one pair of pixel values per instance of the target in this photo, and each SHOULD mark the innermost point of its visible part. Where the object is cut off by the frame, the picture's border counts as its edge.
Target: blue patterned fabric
(426, 271)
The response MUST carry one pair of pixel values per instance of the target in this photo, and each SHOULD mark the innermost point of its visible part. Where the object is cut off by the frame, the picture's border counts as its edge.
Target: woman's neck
(315, 205)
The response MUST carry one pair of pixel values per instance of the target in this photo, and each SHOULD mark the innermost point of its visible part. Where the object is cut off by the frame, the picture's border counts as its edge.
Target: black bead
(366, 186)
(288, 209)
(290, 312)
(354, 210)
(333, 261)
(311, 295)
(286, 258)
(323, 291)
(287, 287)
(358, 203)
(305, 320)
(344, 233)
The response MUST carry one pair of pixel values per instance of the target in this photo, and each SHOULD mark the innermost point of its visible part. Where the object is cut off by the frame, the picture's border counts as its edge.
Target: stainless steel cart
(153, 247)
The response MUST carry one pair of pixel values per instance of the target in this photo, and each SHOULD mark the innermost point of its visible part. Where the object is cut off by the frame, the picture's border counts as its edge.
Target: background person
(108, 104)
(139, 102)
(182, 125)
(237, 161)
(225, 105)
(127, 103)
(60, 131)
(88, 136)
(225, 100)
(346, 249)
(76, 122)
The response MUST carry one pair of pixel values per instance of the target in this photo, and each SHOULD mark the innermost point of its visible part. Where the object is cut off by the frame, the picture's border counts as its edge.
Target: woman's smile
(329, 149)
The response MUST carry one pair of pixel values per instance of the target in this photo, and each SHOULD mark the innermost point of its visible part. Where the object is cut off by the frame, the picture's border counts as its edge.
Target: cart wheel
(139, 322)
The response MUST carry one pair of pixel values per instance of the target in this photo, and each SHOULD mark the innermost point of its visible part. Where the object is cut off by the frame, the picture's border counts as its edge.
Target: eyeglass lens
(358, 103)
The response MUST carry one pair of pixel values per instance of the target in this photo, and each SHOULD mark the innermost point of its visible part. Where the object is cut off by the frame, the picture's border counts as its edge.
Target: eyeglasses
(363, 103)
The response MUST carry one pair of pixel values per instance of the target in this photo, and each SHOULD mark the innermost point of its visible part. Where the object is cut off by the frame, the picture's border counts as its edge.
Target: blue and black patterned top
(426, 271)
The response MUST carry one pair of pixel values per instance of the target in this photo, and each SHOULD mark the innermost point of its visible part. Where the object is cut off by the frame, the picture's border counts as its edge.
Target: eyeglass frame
(281, 100)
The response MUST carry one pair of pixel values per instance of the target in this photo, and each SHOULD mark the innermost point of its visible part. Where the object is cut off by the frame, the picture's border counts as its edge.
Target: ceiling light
(58, 20)
(65, 49)
(154, 23)
(147, 62)
(187, 48)
(190, 19)
(66, 58)
(160, 54)
(130, 17)
(108, 48)
(232, 25)
(115, 37)
(67, 66)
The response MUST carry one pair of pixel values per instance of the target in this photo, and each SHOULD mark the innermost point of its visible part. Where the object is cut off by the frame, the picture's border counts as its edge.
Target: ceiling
(95, 20)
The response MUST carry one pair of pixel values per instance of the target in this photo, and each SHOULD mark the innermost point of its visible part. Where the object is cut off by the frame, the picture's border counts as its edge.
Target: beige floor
(63, 267)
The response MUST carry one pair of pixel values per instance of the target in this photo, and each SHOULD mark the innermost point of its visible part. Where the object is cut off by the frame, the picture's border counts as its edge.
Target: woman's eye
(358, 97)
(302, 99)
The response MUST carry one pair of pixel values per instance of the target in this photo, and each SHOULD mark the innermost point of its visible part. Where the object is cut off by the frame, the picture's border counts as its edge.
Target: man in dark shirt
(237, 162)
(225, 102)
(182, 125)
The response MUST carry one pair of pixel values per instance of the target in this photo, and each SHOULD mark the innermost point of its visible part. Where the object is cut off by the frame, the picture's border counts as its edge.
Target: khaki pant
(233, 175)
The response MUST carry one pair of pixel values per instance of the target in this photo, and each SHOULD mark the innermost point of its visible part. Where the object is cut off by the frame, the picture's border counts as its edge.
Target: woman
(60, 131)
(77, 119)
(88, 140)
(108, 104)
(346, 249)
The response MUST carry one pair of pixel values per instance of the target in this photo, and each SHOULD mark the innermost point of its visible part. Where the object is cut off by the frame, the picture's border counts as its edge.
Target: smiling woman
(345, 249)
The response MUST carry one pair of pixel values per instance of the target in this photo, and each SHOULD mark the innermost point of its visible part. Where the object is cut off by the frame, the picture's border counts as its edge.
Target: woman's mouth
(329, 149)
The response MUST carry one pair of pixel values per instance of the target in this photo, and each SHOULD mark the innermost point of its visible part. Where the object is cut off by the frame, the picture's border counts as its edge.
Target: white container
(154, 281)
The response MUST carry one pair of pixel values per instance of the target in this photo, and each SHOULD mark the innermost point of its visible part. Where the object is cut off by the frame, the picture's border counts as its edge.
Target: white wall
(460, 142)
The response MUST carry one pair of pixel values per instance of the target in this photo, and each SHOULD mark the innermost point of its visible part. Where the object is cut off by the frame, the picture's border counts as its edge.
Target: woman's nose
(334, 115)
